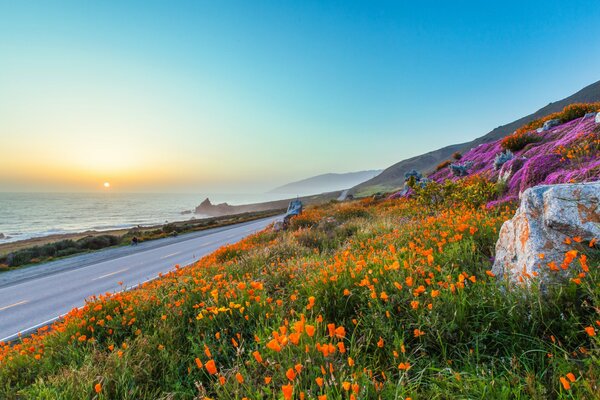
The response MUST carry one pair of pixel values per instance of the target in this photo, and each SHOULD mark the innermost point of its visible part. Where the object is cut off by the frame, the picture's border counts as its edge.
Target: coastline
(31, 251)
(190, 225)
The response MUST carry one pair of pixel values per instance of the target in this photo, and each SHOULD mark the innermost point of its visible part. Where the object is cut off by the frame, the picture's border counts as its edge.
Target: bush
(443, 165)
(518, 140)
(97, 242)
(413, 173)
(60, 249)
(474, 191)
(460, 169)
(502, 158)
(456, 155)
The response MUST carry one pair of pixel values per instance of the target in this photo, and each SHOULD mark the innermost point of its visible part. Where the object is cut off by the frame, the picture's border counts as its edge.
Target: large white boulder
(598, 118)
(534, 242)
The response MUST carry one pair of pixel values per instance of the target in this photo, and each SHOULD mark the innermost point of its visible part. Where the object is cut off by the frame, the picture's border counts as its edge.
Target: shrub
(443, 165)
(474, 191)
(461, 169)
(456, 155)
(501, 187)
(518, 140)
(412, 173)
(169, 228)
(97, 242)
(502, 158)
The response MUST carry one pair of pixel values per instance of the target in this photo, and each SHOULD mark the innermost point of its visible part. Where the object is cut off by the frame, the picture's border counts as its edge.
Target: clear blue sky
(221, 95)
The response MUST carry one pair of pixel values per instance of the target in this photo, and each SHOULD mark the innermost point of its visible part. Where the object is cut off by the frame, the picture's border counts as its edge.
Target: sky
(243, 96)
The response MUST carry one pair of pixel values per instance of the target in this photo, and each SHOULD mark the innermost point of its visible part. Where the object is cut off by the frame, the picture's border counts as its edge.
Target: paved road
(34, 296)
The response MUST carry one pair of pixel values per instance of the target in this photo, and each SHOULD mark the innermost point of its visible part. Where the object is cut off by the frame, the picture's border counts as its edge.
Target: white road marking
(14, 305)
(111, 274)
(170, 255)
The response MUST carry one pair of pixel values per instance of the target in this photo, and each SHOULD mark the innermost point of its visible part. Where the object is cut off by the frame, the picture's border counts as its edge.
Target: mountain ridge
(327, 182)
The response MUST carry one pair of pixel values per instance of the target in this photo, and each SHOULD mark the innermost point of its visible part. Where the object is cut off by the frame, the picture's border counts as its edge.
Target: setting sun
(106, 185)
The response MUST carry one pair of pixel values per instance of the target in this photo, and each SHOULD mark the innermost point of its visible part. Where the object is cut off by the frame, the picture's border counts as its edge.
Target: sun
(106, 185)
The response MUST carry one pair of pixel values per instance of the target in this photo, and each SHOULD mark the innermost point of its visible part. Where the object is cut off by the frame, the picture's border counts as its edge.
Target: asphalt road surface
(35, 296)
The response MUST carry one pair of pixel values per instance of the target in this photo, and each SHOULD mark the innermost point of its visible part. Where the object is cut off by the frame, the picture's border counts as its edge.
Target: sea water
(27, 215)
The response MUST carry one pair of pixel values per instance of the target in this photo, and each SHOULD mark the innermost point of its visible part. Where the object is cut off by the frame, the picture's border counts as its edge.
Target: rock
(207, 208)
(547, 216)
(278, 226)
(185, 212)
(551, 123)
(597, 120)
(2, 236)
(589, 115)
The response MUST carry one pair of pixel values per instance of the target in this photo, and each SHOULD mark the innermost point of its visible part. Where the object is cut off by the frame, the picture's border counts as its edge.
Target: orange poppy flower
(239, 377)
(211, 367)
(590, 330)
(290, 374)
(287, 390)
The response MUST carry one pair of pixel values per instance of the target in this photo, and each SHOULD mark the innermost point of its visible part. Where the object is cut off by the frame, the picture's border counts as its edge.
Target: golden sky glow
(211, 97)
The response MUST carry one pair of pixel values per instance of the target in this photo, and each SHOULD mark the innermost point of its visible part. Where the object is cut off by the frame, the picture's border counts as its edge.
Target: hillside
(393, 177)
(356, 300)
(326, 183)
(568, 152)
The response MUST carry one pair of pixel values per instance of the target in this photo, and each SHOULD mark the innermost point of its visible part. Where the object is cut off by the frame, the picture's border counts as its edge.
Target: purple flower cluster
(538, 163)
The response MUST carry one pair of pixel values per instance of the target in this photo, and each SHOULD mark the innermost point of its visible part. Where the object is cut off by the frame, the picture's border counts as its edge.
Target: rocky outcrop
(207, 208)
(597, 120)
(538, 240)
(550, 124)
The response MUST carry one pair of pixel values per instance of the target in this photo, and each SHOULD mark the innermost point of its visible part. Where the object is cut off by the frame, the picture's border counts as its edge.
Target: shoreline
(31, 251)
(189, 225)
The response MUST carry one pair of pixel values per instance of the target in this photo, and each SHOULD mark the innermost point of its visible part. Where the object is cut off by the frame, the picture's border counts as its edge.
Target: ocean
(28, 215)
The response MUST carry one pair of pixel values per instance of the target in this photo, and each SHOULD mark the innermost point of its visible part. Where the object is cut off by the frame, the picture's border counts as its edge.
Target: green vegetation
(361, 300)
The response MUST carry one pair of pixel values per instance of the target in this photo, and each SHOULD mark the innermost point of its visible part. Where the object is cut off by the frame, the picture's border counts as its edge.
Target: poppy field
(356, 300)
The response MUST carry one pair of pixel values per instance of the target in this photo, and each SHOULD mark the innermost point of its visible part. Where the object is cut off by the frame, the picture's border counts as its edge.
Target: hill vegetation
(568, 152)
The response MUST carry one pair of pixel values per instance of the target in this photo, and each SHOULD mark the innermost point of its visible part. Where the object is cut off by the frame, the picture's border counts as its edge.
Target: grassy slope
(398, 296)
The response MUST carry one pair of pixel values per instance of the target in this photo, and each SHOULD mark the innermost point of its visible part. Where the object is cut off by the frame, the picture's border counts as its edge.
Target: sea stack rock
(207, 208)
(534, 242)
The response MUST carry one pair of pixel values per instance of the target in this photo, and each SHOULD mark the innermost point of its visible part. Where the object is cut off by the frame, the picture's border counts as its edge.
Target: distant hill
(326, 183)
(393, 177)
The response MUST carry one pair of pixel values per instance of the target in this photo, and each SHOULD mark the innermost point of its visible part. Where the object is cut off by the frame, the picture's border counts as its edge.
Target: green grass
(361, 266)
